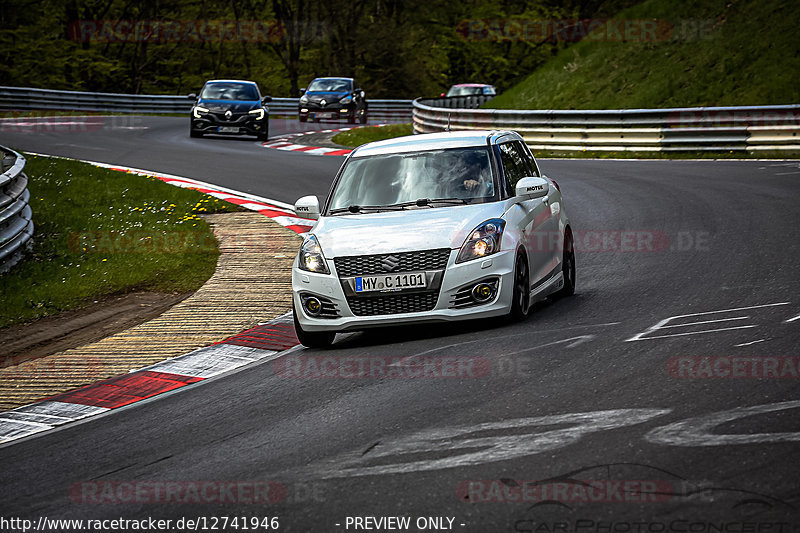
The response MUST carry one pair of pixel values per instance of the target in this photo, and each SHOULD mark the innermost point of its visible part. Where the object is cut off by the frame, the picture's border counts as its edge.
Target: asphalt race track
(647, 381)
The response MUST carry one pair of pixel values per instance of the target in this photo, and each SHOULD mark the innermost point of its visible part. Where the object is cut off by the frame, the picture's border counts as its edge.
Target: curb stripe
(125, 390)
(251, 345)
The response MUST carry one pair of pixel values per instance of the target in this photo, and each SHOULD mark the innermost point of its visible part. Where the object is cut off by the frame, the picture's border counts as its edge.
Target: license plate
(227, 129)
(391, 282)
(325, 115)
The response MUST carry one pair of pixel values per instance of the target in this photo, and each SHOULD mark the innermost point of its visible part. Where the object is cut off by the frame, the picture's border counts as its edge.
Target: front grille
(393, 304)
(236, 118)
(364, 265)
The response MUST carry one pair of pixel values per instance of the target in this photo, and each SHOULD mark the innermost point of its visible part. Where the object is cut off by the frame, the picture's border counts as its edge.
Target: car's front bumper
(243, 124)
(454, 280)
(330, 111)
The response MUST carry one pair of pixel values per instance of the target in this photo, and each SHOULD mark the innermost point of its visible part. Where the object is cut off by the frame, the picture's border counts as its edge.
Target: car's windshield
(229, 91)
(330, 85)
(469, 91)
(384, 180)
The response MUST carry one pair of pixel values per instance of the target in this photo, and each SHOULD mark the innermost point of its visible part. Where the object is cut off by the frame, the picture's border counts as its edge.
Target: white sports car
(426, 228)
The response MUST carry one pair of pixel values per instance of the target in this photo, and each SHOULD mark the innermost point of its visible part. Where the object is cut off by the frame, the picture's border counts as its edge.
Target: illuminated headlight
(304, 99)
(258, 113)
(482, 241)
(198, 111)
(311, 258)
(346, 100)
(304, 110)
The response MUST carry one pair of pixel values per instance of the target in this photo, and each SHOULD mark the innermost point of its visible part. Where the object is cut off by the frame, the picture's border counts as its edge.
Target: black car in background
(333, 99)
(230, 107)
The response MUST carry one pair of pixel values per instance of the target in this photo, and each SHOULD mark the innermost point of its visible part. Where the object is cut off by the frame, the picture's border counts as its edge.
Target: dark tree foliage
(394, 48)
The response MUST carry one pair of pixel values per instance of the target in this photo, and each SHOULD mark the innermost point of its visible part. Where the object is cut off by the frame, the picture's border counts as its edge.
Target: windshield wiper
(354, 209)
(445, 200)
(422, 202)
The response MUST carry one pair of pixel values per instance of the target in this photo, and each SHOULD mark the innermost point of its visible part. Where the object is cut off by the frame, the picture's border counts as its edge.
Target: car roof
(472, 85)
(332, 78)
(435, 141)
(232, 81)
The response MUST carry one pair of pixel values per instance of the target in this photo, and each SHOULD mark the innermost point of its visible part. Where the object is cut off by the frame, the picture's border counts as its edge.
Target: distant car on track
(427, 228)
(471, 89)
(230, 107)
(333, 99)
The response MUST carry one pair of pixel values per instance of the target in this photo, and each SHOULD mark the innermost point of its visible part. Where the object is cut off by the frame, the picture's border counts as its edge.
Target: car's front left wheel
(312, 339)
(521, 301)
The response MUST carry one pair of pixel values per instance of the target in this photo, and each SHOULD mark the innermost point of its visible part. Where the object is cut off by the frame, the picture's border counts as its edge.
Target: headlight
(311, 258)
(346, 100)
(198, 111)
(303, 99)
(259, 113)
(482, 241)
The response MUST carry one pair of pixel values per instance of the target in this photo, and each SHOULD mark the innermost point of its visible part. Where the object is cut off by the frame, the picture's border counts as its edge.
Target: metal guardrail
(16, 224)
(754, 128)
(27, 98)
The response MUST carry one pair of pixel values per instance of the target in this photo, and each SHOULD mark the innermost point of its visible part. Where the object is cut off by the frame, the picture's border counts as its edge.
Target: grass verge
(100, 232)
(359, 136)
(699, 54)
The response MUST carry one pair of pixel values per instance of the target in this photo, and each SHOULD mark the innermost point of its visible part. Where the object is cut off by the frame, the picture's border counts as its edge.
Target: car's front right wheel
(568, 267)
(312, 339)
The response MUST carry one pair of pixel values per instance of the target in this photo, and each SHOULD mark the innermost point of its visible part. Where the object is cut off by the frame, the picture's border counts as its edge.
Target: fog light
(482, 292)
(312, 305)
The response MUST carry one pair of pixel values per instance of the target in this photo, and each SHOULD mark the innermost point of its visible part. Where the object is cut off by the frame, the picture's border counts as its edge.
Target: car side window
(514, 165)
(534, 170)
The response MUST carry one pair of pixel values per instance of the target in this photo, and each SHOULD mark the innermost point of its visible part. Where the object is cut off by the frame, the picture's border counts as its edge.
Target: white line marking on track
(706, 322)
(748, 343)
(661, 324)
(793, 319)
(690, 333)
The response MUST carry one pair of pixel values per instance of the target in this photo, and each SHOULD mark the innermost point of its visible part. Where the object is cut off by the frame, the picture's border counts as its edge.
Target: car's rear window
(229, 91)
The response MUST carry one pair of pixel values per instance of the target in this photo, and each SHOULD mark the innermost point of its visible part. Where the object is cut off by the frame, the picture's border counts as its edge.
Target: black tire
(568, 267)
(363, 118)
(194, 134)
(303, 119)
(264, 135)
(351, 118)
(309, 339)
(521, 303)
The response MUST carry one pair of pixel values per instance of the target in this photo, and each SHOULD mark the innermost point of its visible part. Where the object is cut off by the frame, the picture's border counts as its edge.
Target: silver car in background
(435, 227)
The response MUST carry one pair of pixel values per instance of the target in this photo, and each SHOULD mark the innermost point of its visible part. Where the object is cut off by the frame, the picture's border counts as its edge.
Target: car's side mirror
(307, 207)
(266, 99)
(362, 93)
(531, 187)
(302, 91)
(191, 96)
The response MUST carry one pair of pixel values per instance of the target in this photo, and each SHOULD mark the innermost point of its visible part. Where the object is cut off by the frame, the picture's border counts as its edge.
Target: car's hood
(236, 106)
(401, 231)
(316, 96)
